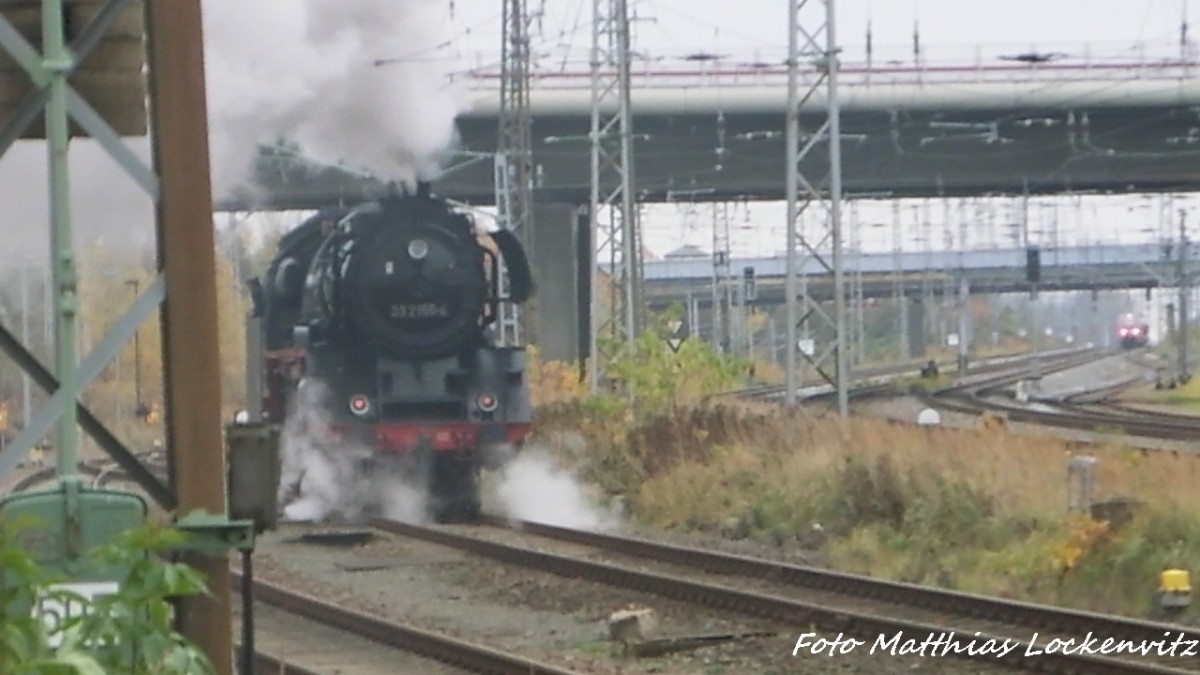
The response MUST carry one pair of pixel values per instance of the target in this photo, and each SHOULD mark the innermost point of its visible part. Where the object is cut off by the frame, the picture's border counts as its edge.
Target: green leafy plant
(662, 378)
(128, 632)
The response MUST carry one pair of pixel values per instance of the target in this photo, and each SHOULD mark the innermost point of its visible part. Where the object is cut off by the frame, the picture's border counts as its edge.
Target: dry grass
(1021, 472)
(980, 510)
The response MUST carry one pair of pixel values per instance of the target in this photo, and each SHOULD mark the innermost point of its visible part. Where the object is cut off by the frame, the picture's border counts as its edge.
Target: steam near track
(535, 488)
(320, 479)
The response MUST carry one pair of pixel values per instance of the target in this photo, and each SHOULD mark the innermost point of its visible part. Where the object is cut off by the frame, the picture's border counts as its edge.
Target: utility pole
(613, 212)
(26, 395)
(899, 296)
(722, 289)
(828, 193)
(1185, 291)
(514, 163)
(192, 405)
(139, 406)
(718, 261)
(1035, 363)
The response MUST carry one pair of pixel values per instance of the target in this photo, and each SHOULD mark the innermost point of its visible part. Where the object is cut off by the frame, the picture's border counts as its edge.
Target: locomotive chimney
(423, 188)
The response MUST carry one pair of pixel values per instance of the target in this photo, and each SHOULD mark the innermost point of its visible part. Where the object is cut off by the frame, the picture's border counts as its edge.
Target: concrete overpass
(1050, 127)
(719, 134)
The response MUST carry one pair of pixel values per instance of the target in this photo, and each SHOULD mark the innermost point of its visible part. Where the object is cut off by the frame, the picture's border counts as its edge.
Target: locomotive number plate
(422, 310)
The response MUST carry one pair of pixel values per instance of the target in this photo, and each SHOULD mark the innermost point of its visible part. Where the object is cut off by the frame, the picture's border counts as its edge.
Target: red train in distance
(1132, 331)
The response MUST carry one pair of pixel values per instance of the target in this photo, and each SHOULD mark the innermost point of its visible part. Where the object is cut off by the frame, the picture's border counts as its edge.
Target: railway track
(977, 397)
(397, 637)
(804, 597)
(864, 377)
(868, 385)
(1091, 410)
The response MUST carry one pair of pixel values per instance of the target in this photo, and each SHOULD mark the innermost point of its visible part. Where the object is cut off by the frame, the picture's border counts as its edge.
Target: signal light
(486, 402)
(360, 405)
(1033, 264)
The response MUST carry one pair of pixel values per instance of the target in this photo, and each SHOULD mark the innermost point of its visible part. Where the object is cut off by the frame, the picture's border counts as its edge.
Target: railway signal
(678, 333)
(1033, 264)
(750, 284)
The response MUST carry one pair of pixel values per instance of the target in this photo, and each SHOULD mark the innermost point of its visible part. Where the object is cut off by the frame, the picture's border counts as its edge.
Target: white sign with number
(54, 612)
(807, 346)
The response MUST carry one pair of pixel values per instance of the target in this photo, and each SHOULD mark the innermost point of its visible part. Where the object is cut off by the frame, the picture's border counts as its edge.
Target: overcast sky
(667, 30)
(298, 77)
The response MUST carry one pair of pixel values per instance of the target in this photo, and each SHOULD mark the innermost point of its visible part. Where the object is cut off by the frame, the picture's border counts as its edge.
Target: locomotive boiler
(390, 307)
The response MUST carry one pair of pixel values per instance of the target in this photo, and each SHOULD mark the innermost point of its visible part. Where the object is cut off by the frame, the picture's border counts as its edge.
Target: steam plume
(534, 488)
(324, 477)
(306, 70)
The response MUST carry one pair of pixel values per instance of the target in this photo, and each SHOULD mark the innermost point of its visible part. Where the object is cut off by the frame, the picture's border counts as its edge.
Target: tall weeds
(982, 511)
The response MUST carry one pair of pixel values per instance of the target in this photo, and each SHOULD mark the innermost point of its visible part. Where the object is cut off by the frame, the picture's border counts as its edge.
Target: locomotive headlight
(418, 249)
(360, 405)
(486, 402)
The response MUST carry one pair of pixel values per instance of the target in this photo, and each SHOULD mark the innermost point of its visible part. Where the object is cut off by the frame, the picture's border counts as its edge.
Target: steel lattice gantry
(105, 97)
(613, 211)
(514, 163)
(810, 21)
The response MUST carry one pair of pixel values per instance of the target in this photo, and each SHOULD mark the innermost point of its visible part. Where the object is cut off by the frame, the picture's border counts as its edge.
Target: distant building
(687, 251)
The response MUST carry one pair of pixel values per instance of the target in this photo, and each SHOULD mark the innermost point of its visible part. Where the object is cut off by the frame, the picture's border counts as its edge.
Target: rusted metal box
(253, 461)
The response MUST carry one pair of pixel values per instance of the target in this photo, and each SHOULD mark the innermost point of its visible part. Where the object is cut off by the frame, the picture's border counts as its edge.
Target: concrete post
(964, 323)
(557, 273)
(916, 327)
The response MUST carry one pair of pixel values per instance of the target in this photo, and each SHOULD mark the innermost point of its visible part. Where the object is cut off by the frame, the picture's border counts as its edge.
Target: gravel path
(554, 619)
(1103, 373)
(320, 649)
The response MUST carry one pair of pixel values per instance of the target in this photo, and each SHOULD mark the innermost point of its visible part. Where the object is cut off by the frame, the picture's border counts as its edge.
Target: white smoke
(306, 70)
(401, 498)
(326, 477)
(534, 487)
(318, 477)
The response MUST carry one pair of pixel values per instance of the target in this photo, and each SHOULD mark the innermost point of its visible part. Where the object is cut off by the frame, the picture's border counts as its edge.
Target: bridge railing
(990, 64)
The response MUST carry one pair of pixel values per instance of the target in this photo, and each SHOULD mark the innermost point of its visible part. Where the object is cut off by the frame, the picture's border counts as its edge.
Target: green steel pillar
(59, 63)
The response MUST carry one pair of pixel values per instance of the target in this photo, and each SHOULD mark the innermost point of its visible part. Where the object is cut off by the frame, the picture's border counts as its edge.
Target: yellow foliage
(1085, 537)
(993, 421)
(110, 280)
(553, 381)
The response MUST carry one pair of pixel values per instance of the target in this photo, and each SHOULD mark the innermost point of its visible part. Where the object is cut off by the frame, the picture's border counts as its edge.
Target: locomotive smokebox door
(253, 458)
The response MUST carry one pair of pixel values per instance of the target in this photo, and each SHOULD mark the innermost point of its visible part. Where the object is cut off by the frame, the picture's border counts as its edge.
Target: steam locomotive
(391, 307)
(1132, 331)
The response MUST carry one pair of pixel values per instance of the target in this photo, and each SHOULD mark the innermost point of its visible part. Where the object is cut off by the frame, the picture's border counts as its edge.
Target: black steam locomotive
(392, 306)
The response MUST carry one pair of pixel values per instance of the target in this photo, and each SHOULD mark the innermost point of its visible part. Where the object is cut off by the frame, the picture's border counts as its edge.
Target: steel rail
(875, 389)
(973, 399)
(1024, 614)
(265, 664)
(773, 607)
(436, 646)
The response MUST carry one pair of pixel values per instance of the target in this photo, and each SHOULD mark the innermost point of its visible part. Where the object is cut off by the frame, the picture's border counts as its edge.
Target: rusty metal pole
(187, 257)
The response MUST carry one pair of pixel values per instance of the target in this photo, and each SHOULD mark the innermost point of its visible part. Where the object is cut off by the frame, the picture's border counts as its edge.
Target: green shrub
(129, 632)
